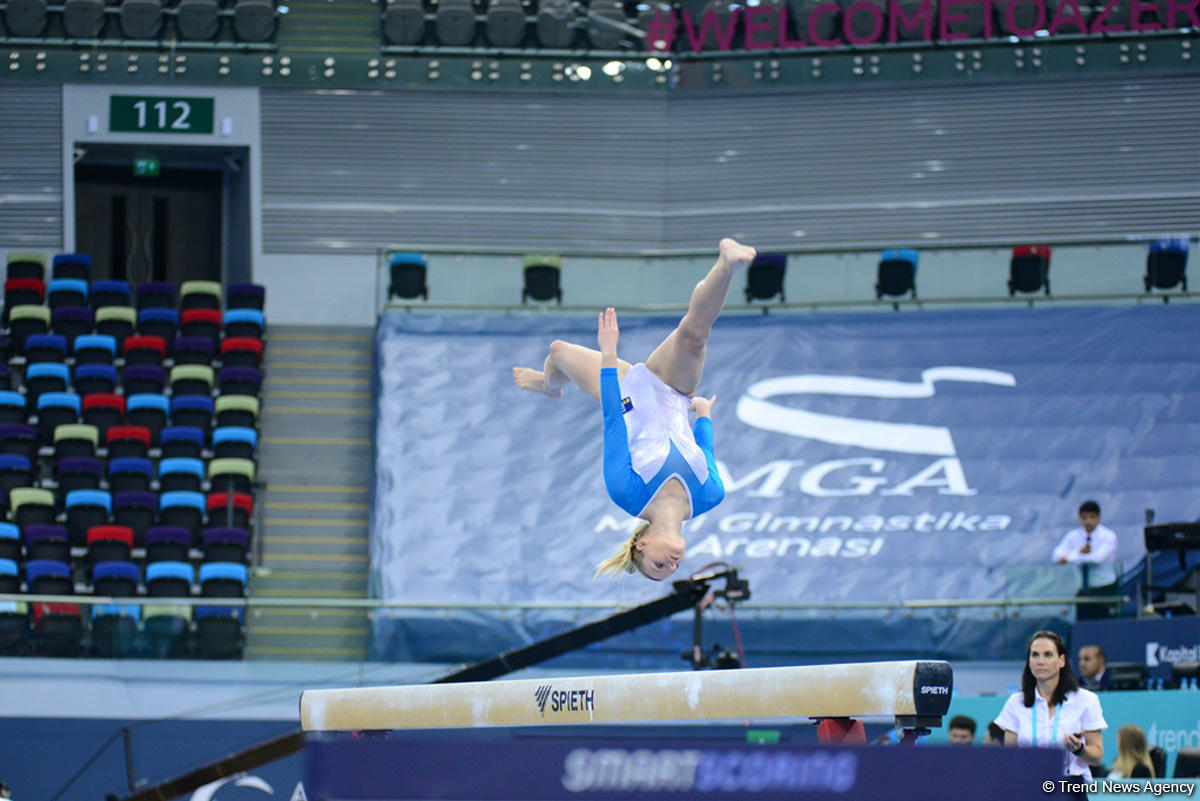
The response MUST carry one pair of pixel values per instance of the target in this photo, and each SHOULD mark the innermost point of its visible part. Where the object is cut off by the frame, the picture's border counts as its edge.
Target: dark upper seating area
(186, 20)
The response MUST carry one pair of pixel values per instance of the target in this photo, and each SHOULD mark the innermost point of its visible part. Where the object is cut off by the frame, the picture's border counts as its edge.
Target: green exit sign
(146, 168)
(139, 114)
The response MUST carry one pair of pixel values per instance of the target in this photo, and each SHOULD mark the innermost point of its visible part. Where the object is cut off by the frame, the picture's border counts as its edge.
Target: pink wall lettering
(865, 22)
(923, 17)
(1074, 17)
(1010, 16)
(1189, 8)
(859, 9)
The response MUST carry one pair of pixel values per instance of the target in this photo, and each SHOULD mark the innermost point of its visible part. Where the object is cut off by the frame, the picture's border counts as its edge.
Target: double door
(166, 228)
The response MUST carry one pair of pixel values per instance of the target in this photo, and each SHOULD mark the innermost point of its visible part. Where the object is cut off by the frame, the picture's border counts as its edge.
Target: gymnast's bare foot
(535, 381)
(736, 255)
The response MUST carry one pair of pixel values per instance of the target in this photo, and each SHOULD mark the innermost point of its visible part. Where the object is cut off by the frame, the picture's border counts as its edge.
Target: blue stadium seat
(49, 577)
(10, 540)
(55, 409)
(111, 293)
(897, 273)
(95, 349)
(116, 579)
(15, 471)
(159, 322)
(45, 348)
(183, 509)
(149, 411)
(62, 293)
(45, 377)
(244, 323)
(12, 407)
(169, 579)
(180, 474)
(193, 411)
(95, 379)
(182, 441)
(223, 580)
(130, 474)
(234, 442)
(1166, 264)
(85, 509)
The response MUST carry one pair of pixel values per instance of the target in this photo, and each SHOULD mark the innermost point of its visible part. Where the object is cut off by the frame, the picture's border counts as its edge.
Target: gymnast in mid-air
(656, 467)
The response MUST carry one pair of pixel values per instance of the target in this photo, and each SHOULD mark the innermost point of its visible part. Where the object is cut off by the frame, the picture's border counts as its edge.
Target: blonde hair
(628, 558)
(1131, 750)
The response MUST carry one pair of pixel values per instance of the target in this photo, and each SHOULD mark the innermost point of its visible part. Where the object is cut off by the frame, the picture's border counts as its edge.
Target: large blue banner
(874, 457)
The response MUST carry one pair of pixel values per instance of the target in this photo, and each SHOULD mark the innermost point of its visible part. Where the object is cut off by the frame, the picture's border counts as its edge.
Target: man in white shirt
(1090, 544)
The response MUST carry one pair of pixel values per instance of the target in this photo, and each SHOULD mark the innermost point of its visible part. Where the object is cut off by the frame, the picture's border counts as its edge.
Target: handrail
(525, 606)
(793, 306)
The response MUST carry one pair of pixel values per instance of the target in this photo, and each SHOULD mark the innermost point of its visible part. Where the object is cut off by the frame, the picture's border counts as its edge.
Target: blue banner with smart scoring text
(869, 457)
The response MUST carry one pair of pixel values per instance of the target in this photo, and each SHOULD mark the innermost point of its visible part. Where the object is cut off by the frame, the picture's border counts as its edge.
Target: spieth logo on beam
(564, 700)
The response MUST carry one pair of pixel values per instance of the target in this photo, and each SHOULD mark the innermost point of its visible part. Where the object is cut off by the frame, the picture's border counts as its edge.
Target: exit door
(167, 228)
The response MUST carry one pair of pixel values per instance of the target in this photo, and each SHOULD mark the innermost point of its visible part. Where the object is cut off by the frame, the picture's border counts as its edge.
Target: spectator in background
(1092, 546)
(995, 735)
(1093, 668)
(4, 791)
(1133, 757)
(961, 730)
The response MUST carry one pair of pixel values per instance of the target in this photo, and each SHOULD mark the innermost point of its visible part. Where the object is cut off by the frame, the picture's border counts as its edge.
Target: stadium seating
(107, 471)
(897, 274)
(1029, 269)
(111, 293)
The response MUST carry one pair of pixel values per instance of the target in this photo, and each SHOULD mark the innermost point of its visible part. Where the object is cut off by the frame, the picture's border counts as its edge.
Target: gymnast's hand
(702, 406)
(607, 333)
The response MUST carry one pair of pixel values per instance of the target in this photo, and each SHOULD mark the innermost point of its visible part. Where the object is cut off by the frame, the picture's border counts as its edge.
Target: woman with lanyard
(1053, 711)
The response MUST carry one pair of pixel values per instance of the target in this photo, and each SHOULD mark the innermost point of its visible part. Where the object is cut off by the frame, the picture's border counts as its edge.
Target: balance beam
(912, 691)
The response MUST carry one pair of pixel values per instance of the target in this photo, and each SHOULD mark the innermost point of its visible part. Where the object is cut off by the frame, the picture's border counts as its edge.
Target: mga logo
(540, 695)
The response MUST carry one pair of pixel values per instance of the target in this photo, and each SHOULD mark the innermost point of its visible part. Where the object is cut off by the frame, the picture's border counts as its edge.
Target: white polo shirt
(1079, 712)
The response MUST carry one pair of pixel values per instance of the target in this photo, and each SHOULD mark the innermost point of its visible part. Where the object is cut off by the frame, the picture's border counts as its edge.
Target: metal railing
(526, 606)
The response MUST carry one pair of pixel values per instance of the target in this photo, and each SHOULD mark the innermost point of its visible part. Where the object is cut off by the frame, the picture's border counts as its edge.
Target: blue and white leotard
(656, 445)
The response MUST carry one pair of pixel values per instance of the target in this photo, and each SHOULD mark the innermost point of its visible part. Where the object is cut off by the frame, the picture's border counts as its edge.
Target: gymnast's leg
(679, 360)
(566, 363)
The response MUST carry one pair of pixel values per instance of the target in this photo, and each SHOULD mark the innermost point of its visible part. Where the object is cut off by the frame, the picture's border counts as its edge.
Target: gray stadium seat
(455, 22)
(404, 22)
(141, 19)
(83, 19)
(863, 24)
(254, 20)
(646, 17)
(505, 23)
(602, 36)
(828, 26)
(197, 19)
(26, 17)
(555, 23)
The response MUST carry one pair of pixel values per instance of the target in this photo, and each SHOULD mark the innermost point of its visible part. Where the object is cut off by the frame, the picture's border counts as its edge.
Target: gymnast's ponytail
(627, 557)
